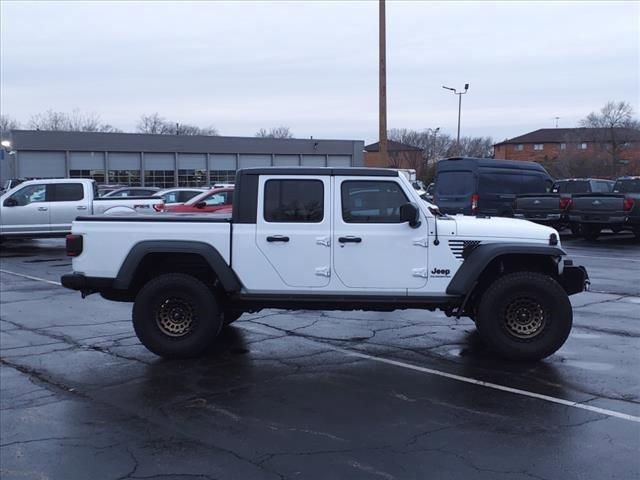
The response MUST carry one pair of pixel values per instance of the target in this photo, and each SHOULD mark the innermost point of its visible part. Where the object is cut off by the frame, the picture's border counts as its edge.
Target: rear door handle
(81, 207)
(277, 238)
(42, 209)
(349, 239)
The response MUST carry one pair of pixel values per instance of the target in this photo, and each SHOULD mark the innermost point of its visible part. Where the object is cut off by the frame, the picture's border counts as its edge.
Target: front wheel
(176, 316)
(525, 316)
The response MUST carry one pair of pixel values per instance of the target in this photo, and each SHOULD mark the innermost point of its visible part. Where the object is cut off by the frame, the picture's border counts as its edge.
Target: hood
(499, 227)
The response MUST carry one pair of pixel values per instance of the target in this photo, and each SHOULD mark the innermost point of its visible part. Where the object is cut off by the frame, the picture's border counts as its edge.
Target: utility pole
(466, 88)
(382, 134)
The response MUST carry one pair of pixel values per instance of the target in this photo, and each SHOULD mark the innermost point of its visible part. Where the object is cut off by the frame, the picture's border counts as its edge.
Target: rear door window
(454, 183)
(65, 192)
(294, 201)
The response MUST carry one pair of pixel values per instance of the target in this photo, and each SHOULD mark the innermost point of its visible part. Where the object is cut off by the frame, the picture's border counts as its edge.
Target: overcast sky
(312, 65)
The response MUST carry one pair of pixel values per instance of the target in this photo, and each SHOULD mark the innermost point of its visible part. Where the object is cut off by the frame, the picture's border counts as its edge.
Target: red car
(218, 200)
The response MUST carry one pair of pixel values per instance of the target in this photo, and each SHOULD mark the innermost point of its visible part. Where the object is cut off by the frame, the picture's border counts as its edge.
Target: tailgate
(598, 203)
(538, 203)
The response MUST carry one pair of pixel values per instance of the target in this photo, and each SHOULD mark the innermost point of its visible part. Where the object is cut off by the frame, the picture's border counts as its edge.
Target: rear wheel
(176, 315)
(591, 232)
(525, 316)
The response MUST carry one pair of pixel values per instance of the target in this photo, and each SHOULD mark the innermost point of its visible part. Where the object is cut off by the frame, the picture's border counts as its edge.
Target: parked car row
(487, 187)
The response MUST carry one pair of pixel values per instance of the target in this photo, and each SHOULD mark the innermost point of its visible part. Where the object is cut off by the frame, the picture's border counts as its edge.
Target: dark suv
(484, 186)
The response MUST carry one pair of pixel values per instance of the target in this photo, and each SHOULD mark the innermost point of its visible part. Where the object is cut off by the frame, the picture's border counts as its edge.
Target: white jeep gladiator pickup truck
(327, 239)
(46, 208)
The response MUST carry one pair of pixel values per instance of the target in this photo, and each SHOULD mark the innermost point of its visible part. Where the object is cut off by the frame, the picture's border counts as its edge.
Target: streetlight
(466, 87)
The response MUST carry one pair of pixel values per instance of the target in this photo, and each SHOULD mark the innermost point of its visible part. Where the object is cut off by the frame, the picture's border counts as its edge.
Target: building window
(582, 146)
(192, 178)
(130, 178)
(519, 147)
(538, 146)
(563, 146)
(97, 175)
(222, 176)
(160, 178)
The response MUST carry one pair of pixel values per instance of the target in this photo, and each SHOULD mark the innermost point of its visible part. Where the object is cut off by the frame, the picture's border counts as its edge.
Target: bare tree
(615, 128)
(152, 123)
(155, 124)
(8, 123)
(275, 132)
(75, 121)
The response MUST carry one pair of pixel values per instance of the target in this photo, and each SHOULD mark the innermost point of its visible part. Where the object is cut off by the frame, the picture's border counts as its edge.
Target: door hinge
(421, 242)
(421, 272)
(323, 271)
(326, 241)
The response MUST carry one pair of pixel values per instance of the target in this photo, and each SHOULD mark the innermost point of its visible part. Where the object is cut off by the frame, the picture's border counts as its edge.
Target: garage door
(41, 164)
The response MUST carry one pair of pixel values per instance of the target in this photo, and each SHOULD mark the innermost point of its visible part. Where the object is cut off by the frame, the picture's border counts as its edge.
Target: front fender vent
(461, 249)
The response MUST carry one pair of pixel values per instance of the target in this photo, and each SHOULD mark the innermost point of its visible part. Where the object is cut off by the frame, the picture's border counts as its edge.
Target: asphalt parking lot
(405, 394)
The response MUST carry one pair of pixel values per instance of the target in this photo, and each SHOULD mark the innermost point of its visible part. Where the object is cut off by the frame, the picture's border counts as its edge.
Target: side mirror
(409, 212)
(10, 202)
(201, 204)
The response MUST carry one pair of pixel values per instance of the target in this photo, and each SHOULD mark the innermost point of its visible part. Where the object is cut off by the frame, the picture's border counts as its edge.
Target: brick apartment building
(400, 155)
(574, 150)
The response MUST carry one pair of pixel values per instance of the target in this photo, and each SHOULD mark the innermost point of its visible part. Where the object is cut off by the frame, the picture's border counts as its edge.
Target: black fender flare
(465, 278)
(225, 273)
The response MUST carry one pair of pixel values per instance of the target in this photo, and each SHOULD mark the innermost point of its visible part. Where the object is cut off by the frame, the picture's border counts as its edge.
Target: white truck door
(294, 228)
(68, 201)
(26, 210)
(371, 248)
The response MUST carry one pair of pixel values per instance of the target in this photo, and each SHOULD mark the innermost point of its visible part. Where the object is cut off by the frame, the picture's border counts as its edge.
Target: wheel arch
(200, 259)
(486, 259)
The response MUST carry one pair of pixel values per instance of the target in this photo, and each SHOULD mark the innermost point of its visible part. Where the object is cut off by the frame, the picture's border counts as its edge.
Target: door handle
(349, 239)
(277, 238)
(81, 207)
(42, 209)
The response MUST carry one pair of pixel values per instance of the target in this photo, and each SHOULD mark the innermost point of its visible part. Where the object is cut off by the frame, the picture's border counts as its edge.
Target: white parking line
(624, 259)
(30, 277)
(430, 371)
(473, 381)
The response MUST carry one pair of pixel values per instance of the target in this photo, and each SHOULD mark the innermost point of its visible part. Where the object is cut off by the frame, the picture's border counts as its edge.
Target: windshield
(454, 183)
(631, 185)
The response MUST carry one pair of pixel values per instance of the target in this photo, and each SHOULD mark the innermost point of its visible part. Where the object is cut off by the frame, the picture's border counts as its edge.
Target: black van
(485, 186)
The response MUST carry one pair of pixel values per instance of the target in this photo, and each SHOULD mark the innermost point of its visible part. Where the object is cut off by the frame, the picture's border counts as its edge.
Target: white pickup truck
(327, 239)
(46, 208)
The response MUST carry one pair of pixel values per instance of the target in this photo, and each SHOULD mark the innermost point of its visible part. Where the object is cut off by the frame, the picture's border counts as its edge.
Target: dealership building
(161, 160)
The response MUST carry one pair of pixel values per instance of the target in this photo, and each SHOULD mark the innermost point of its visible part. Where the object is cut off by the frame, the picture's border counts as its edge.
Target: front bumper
(574, 279)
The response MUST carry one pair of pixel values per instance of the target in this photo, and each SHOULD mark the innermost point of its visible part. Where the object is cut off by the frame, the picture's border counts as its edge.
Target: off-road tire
(498, 323)
(160, 310)
(591, 232)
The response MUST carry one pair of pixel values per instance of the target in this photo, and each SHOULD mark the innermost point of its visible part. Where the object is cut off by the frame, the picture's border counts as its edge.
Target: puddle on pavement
(595, 366)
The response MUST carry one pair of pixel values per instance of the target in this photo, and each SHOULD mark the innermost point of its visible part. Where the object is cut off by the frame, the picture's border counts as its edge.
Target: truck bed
(107, 239)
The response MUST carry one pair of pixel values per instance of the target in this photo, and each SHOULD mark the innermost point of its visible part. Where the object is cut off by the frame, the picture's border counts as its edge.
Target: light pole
(382, 133)
(466, 87)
